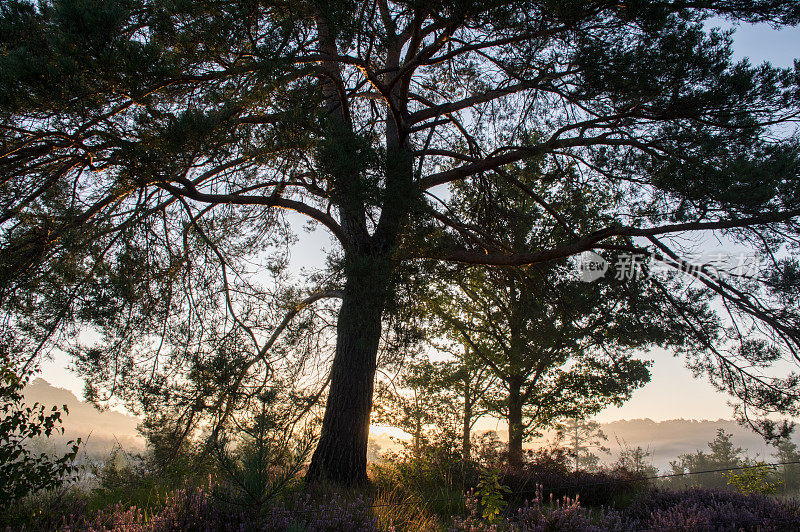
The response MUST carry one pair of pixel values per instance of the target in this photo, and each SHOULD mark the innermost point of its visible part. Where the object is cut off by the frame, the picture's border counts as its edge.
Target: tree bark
(515, 427)
(341, 454)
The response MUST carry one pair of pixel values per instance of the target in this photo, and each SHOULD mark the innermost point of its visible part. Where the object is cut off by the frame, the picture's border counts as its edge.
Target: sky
(673, 393)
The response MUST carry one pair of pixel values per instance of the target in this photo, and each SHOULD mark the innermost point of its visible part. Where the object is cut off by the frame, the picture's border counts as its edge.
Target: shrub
(45, 510)
(491, 493)
(23, 472)
(600, 488)
(138, 480)
(263, 463)
(435, 476)
(440, 481)
(761, 478)
(539, 516)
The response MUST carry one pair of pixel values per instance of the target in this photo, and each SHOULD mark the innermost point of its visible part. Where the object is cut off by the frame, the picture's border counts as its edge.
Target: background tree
(723, 455)
(148, 149)
(437, 401)
(635, 459)
(758, 477)
(786, 451)
(474, 384)
(560, 347)
(581, 437)
(415, 402)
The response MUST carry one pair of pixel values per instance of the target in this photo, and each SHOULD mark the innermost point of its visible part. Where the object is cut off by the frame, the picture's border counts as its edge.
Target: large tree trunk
(515, 427)
(341, 455)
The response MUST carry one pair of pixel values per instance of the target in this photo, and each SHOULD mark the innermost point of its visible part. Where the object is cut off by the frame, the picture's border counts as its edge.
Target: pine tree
(149, 147)
(723, 455)
(559, 347)
(581, 437)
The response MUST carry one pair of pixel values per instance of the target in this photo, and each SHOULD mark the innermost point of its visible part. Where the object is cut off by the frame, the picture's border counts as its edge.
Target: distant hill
(103, 429)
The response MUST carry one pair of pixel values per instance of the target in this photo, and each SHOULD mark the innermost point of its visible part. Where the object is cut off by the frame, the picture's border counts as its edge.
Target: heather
(654, 509)
(704, 509)
(198, 509)
(593, 488)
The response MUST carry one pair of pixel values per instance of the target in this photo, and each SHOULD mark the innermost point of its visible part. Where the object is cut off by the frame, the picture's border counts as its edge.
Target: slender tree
(415, 402)
(581, 436)
(474, 383)
(148, 147)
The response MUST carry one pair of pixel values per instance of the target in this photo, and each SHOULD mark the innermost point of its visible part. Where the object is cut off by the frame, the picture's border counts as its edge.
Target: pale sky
(673, 392)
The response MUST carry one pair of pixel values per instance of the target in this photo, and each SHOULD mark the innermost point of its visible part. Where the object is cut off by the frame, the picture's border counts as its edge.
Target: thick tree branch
(591, 241)
(267, 201)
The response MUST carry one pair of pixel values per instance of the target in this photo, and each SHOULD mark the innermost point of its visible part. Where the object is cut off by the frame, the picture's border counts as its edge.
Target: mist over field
(100, 431)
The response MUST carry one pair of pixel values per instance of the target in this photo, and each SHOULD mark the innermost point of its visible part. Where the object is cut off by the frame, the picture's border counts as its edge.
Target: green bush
(130, 480)
(264, 459)
(23, 471)
(761, 478)
(490, 493)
